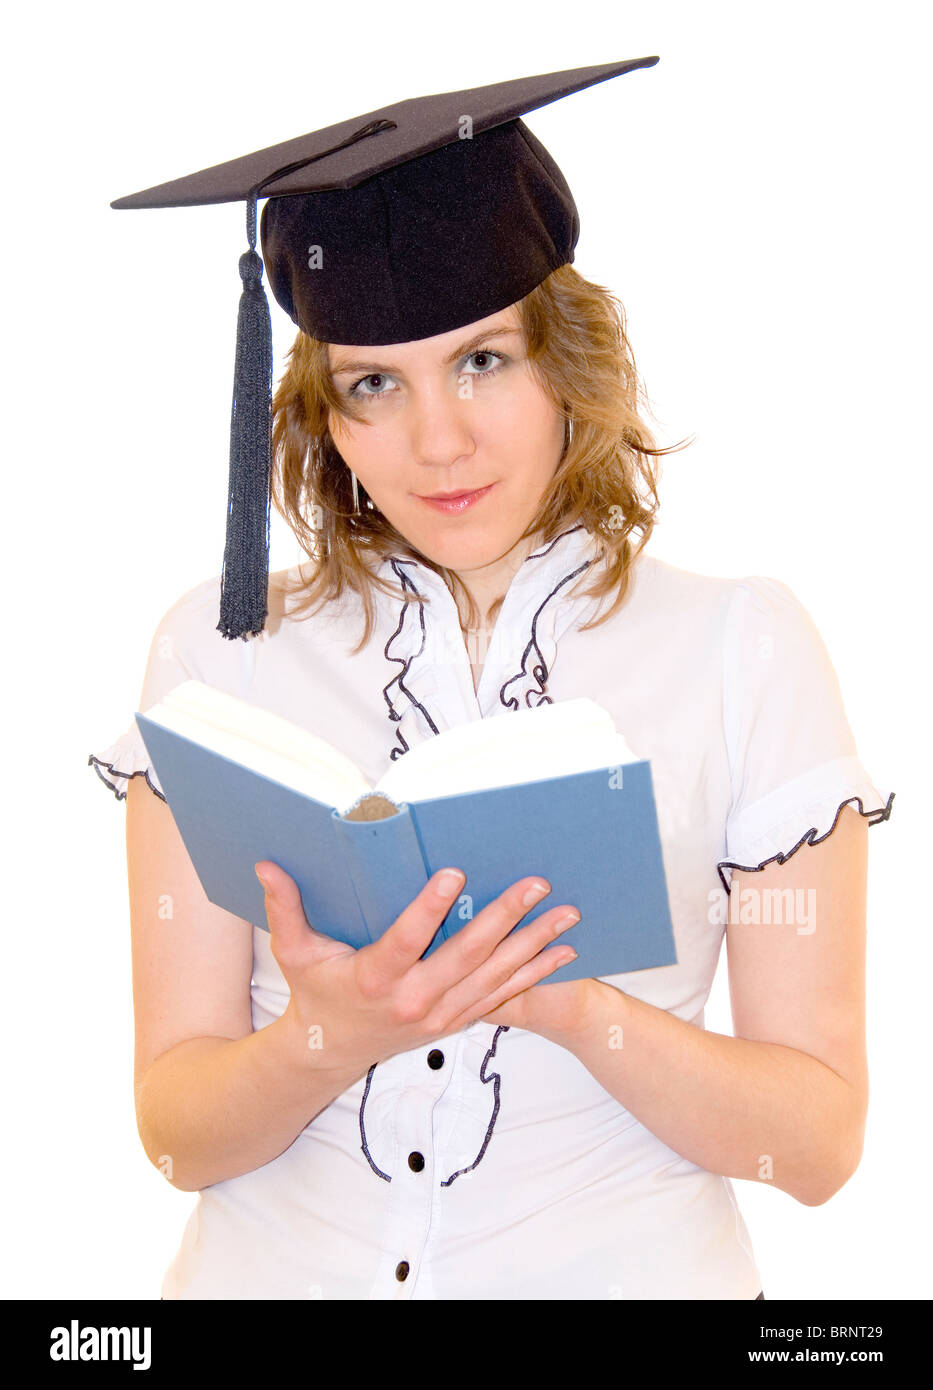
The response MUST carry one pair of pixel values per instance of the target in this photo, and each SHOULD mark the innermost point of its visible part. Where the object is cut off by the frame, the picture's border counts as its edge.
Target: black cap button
(416, 1161)
(435, 1059)
(401, 1271)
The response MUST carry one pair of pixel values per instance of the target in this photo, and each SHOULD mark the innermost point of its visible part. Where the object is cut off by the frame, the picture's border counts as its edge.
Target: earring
(370, 504)
(569, 433)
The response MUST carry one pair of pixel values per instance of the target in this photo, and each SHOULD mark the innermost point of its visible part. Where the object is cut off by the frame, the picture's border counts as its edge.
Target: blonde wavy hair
(606, 478)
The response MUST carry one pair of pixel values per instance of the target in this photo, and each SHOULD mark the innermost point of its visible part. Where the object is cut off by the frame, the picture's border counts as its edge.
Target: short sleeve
(792, 756)
(122, 760)
(173, 658)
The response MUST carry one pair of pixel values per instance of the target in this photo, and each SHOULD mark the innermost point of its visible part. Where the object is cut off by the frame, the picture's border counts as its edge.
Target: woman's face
(458, 414)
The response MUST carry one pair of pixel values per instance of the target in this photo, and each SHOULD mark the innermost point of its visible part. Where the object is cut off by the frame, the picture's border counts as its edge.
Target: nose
(441, 433)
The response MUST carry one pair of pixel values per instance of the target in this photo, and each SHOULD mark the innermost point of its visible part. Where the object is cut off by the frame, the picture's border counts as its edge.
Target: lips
(449, 496)
(455, 502)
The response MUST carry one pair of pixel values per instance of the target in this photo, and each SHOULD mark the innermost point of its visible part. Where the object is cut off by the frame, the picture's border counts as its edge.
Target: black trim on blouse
(98, 763)
(494, 1077)
(873, 817)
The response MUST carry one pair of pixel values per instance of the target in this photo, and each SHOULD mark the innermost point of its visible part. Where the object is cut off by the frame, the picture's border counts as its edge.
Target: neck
(490, 583)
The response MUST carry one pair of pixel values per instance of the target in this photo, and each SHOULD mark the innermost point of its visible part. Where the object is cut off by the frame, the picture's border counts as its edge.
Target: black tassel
(245, 577)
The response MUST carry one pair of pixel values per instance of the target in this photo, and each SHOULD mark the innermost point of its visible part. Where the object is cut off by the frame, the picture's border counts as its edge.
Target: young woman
(475, 505)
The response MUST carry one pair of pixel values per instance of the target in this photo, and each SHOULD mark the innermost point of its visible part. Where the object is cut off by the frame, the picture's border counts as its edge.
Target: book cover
(593, 835)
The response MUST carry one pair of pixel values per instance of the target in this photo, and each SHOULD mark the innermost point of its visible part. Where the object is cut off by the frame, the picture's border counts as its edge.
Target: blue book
(553, 791)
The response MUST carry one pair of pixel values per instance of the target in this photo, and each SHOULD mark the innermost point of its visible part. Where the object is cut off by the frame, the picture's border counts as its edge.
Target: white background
(758, 201)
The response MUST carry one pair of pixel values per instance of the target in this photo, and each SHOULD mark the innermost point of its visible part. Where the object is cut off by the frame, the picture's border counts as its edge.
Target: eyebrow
(373, 367)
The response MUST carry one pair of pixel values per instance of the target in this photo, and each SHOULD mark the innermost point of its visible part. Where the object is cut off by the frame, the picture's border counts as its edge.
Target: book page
(259, 739)
(522, 746)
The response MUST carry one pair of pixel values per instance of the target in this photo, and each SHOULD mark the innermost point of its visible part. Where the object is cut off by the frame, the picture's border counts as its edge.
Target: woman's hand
(558, 1012)
(360, 1007)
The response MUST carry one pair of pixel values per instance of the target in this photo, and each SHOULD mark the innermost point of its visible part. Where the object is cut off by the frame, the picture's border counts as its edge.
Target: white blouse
(491, 1164)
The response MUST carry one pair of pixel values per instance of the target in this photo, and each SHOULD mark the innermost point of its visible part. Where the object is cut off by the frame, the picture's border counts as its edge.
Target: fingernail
(535, 893)
(264, 881)
(565, 923)
(450, 880)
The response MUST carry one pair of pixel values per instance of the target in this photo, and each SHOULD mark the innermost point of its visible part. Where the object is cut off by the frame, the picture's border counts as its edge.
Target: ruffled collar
(430, 685)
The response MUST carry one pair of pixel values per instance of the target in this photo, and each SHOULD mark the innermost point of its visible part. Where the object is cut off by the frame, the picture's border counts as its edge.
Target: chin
(464, 553)
(460, 547)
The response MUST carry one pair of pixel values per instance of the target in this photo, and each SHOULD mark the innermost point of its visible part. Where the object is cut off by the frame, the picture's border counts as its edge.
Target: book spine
(385, 865)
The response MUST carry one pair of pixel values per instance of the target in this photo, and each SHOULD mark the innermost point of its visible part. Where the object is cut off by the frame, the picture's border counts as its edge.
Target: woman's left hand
(558, 1012)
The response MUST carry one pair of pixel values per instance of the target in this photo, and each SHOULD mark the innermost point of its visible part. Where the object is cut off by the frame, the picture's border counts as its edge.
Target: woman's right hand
(366, 1005)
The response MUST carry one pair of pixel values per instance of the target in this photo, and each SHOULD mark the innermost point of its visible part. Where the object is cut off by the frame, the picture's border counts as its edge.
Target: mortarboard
(401, 224)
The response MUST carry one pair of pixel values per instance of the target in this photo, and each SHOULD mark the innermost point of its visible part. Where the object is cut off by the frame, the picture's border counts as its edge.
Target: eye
(487, 356)
(375, 378)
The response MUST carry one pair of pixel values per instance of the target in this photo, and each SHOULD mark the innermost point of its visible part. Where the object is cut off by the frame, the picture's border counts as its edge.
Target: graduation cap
(398, 225)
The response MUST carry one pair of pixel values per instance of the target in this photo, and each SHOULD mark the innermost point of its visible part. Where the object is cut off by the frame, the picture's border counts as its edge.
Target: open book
(553, 791)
